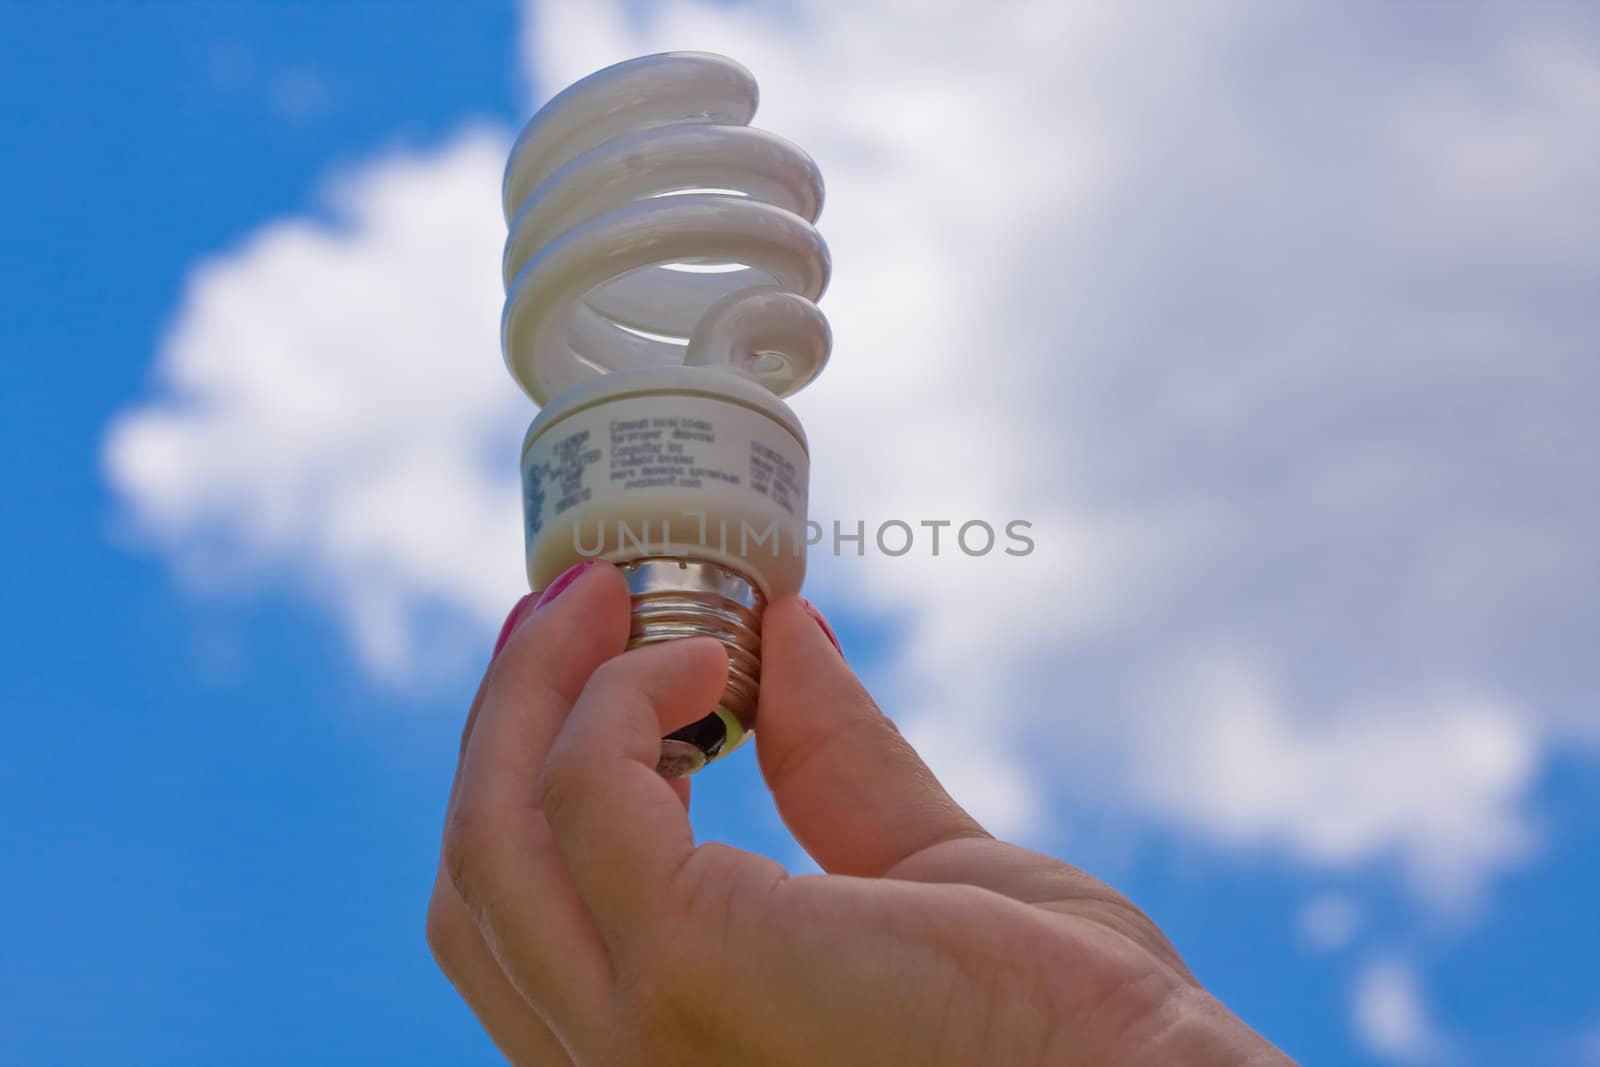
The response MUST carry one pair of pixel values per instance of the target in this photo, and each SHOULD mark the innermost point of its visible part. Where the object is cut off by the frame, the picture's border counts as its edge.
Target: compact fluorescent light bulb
(661, 270)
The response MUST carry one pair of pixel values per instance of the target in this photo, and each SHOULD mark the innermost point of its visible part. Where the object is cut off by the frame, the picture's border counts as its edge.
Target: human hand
(575, 914)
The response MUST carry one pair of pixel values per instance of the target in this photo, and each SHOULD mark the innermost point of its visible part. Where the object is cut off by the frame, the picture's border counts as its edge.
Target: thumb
(853, 792)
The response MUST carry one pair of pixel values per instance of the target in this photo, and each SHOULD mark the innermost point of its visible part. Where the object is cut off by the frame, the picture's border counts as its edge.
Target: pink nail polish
(811, 609)
(559, 586)
(517, 611)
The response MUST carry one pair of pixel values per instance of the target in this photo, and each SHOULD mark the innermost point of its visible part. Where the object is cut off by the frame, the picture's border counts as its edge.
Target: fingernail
(811, 609)
(510, 624)
(559, 586)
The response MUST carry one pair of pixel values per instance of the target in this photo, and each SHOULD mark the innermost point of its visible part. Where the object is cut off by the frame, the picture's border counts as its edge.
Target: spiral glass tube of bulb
(662, 268)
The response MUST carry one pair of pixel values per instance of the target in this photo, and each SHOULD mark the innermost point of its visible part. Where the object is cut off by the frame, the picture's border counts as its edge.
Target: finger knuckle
(447, 931)
(558, 787)
(468, 832)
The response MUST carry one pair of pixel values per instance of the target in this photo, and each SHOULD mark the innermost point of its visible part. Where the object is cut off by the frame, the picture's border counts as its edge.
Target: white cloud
(1390, 1016)
(1328, 922)
(1277, 336)
(1433, 781)
(330, 405)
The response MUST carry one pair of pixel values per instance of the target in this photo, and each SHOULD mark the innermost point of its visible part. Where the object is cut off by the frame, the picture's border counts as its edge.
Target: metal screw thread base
(675, 598)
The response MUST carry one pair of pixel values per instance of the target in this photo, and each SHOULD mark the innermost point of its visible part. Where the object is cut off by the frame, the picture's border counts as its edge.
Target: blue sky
(1294, 341)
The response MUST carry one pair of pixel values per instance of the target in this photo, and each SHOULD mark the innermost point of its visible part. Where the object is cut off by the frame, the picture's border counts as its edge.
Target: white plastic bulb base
(693, 481)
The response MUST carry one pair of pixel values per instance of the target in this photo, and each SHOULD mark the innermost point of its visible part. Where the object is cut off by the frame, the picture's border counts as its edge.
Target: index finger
(621, 827)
